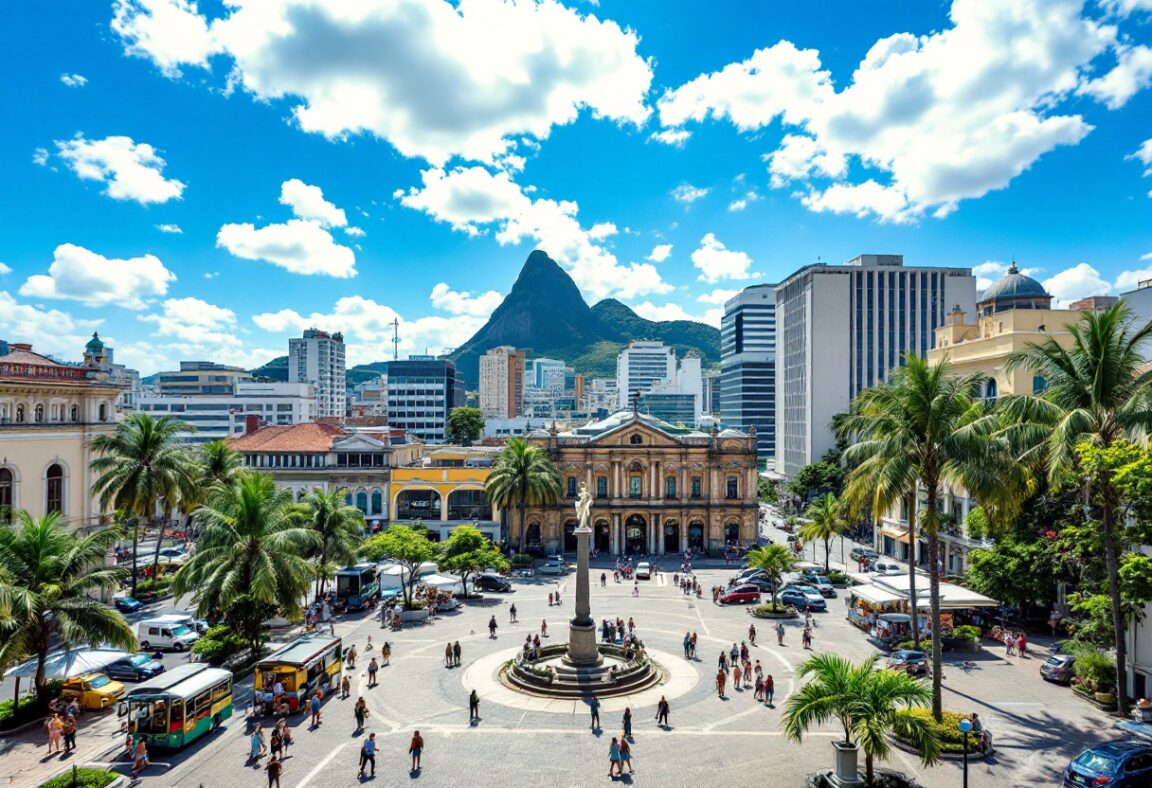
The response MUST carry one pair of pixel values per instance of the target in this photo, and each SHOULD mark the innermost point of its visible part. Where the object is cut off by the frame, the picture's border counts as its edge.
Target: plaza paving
(522, 741)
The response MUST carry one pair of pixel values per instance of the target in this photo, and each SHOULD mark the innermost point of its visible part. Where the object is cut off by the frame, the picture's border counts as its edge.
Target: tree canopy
(408, 546)
(465, 425)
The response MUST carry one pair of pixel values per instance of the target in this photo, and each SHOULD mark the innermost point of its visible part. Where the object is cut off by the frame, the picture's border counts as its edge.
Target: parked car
(1058, 668)
(93, 691)
(136, 667)
(860, 553)
(553, 568)
(914, 663)
(741, 595)
(1117, 764)
(643, 571)
(761, 582)
(811, 597)
(888, 568)
(173, 553)
(821, 584)
(127, 604)
(795, 598)
(488, 582)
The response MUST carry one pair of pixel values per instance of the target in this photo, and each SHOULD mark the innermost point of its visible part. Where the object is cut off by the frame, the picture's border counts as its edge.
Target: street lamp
(965, 727)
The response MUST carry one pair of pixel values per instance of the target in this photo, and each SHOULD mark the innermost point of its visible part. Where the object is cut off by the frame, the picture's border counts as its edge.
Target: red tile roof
(307, 437)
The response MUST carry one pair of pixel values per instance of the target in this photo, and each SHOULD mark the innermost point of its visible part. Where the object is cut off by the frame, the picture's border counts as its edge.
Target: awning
(952, 596)
(899, 534)
(69, 664)
(875, 596)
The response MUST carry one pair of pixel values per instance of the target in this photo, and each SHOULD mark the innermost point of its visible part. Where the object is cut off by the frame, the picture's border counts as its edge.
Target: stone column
(582, 628)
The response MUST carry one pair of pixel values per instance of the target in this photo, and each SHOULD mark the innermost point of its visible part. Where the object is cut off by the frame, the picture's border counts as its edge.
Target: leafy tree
(826, 520)
(1015, 570)
(524, 476)
(921, 430)
(465, 425)
(468, 551)
(406, 545)
(250, 557)
(976, 523)
(819, 478)
(865, 702)
(769, 491)
(1099, 392)
(776, 560)
(341, 531)
(47, 577)
(143, 465)
(219, 462)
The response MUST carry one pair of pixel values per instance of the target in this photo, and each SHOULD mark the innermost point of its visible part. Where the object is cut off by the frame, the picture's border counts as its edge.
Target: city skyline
(189, 194)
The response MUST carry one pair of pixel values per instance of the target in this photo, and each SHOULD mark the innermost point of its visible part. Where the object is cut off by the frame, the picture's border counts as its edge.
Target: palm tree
(341, 531)
(250, 556)
(1099, 392)
(865, 702)
(524, 476)
(143, 465)
(47, 576)
(776, 560)
(825, 521)
(920, 430)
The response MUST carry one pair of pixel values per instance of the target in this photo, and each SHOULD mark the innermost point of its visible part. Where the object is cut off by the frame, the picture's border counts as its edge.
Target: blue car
(1118, 764)
(134, 668)
(795, 598)
(126, 604)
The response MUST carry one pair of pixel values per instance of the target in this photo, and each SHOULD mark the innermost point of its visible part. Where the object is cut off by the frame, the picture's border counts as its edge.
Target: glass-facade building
(748, 365)
(422, 391)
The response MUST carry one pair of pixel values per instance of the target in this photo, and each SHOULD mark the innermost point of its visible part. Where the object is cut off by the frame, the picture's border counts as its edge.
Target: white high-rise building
(502, 383)
(318, 358)
(641, 365)
(219, 416)
(841, 329)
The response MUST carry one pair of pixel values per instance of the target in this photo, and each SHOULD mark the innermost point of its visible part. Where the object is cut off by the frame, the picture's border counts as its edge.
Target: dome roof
(94, 343)
(1014, 285)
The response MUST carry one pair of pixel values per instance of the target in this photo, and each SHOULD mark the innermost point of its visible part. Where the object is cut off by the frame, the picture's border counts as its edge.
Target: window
(74, 414)
(635, 440)
(54, 489)
(571, 486)
(19, 414)
(601, 486)
(39, 413)
(670, 487)
(5, 494)
(1039, 385)
(732, 489)
(695, 486)
(633, 486)
(990, 389)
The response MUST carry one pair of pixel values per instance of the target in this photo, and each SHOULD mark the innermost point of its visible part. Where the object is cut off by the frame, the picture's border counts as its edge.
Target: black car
(491, 583)
(134, 668)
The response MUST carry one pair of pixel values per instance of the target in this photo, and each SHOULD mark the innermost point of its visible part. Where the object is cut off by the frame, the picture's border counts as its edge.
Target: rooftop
(1014, 285)
(310, 436)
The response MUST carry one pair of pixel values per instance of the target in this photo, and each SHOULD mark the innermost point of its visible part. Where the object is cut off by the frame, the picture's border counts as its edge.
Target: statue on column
(583, 506)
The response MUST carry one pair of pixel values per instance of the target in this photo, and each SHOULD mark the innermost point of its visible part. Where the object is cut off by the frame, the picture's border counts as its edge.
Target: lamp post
(965, 727)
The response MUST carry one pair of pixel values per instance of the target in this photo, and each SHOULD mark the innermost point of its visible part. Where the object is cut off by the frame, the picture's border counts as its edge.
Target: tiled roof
(20, 356)
(307, 437)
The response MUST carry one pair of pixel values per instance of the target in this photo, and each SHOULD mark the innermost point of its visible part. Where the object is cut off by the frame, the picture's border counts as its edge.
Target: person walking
(256, 742)
(1022, 645)
(276, 743)
(662, 712)
(386, 653)
(635, 588)
(752, 634)
(603, 580)
(613, 757)
(492, 627)
(285, 734)
(722, 663)
(274, 769)
(140, 760)
(55, 728)
(512, 614)
(345, 687)
(737, 674)
(314, 706)
(693, 645)
(721, 681)
(687, 645)
(473, 706)
(368, 755)
(758, 694)
(594, 708)
(769, 689)
(780, 633)
(456, 653)
(806, 637)
(373, 667)
(625, 757)
(360, 712)
(415, 749)
(448, 655)
(352, 656)
(627, 721)
(733, 654)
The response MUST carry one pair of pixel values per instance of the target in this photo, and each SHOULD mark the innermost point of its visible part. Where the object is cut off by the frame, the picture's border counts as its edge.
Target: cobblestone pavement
(1037, 726)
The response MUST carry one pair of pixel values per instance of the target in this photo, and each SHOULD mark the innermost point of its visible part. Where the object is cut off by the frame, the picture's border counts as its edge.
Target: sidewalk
(25, 757)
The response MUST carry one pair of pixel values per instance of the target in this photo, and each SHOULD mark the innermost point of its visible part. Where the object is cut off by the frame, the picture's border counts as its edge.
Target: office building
(218, 417)
(600, 397)
(318, 358)
(640, 365)
(199, 379)
(748, 365)
(421, 392)
(710, 402)
(841, 329)
(536, 371)
(502, 383)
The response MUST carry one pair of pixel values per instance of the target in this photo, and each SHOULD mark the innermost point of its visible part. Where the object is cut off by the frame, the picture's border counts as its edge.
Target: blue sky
(205, 180)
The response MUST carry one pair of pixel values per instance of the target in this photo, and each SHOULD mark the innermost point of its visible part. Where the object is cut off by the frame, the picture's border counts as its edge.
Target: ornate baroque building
(658, 489)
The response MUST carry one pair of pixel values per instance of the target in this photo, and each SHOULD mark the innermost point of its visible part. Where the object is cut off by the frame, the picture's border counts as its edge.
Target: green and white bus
(178, 707)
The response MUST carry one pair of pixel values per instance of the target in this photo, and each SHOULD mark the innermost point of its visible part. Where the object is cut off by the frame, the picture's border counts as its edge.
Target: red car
(741, 595)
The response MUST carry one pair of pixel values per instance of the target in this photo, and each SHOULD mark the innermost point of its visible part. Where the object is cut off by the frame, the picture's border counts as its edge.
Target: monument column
(582, 629)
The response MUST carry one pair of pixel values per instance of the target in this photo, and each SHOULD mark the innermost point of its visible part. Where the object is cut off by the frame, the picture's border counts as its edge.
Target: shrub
(218, 644)
(521, 559)
(949, 733)
(158, 586)
(780, 611)
(1097, 670)
(11, 717)
(82, 778)
(966, 632)
(837, 578)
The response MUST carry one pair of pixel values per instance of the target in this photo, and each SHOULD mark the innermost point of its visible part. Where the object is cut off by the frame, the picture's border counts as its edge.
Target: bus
(306, 664)
(179, 706)
(357, 586)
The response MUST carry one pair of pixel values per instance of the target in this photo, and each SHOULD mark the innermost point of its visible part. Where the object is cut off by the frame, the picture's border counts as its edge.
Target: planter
(414, 615)
(846, 760)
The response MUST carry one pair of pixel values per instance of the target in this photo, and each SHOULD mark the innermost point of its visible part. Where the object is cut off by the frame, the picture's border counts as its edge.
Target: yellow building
(48, 414)
(445, 488)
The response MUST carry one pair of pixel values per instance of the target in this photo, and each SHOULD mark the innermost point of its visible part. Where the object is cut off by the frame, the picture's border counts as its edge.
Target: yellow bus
(306, 664)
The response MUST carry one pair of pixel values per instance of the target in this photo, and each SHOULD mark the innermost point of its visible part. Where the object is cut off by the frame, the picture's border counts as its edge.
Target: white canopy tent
(875, 595)
(68, 664)
(952, 596)
(444, 583)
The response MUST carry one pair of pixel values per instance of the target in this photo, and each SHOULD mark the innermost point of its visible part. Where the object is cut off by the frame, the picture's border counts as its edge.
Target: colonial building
(658, 489)
(445, 489)
(49, 412)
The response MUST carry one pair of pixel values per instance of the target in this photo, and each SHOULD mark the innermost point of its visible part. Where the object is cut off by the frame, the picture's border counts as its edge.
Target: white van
(160, 633)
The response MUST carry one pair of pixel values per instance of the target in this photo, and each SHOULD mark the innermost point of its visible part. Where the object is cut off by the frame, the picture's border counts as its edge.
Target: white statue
(584, 506)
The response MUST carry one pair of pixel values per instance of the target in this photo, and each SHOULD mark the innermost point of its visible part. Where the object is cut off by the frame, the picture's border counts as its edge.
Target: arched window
(39, 413)
(5, 495)
(377, 502)
(103, 411)
(732, 488)
(74, 414)
(54, 489)
(636, 440)
(362, 501)
(571, 486)
(1039, 384)
(19, 414)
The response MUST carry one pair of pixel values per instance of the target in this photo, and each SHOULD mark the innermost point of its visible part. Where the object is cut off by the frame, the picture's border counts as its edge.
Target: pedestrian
(627, 721)
(1022, 645)
(386, 653)
(140, 759)
(687, 645)
(769, 689)
(373, 667)
(69, 733)
(780, 633)
(806, 637)
(473, 706)
(721, 680)
(549, 599)
(285, 734)
(758, 694)
(543, 628)
(613, 757)
(415, 748)
(693, 645)
(492, 627)
(314, 705)
(360, 712)
(1009, 645)
(55, 728)
(274, 768)
(635, 588)
(456, 653)
(625, 757)
(256, 742)
(752, 634)
(345, 687)
(448, 655)
(603, 580)
(512, 613)
(352, 656)
(662, 712)
(733, 654)
(368, 755)
(736, 675)
(743, 651)
(594, 708)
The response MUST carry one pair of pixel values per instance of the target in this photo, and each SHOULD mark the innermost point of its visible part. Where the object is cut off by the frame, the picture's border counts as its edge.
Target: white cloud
(299, 246)
(170, 228)
(717, 296)
(1143, 154)
(670, 311)
(717, 261)
(464, 303)
(48, 330)
(989, 271)
(40, 157)
(1079, 281)
(1132, 73)
(1146, 256)
(211, 274)
(78, 274)
(688, 194)
(194, 320)
(308, 202)
(740, 203)
(355, 232)
(473, 200)
(660, 253)
(130, 170)
(674, 137)
(74, 80)
(459, 79)
(5, 269)
(1130, 280)
(599, 232)
(930, 120)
